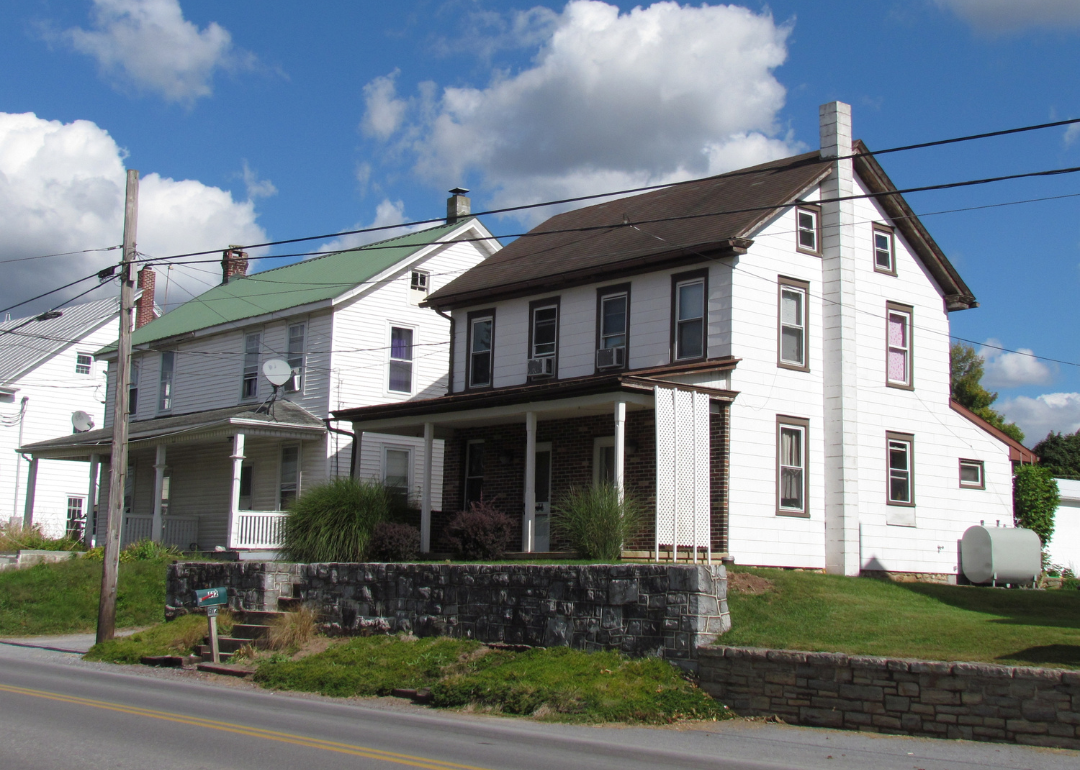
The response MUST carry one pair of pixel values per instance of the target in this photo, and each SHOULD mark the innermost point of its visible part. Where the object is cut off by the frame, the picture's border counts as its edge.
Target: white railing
(257, 529)
(180, 531)
(135, 528)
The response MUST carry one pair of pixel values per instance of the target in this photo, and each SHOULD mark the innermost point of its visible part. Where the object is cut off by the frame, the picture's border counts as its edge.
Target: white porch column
(234, 499)
(31, 489)
(620, 445)
(159, 490)
(529, 519)
(91, 500)
(425, 490)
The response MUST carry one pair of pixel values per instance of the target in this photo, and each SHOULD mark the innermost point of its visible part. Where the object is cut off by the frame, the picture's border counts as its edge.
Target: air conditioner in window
(542, 367)
(610, 358)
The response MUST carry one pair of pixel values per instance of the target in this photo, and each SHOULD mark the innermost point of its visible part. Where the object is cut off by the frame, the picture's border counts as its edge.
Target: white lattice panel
(665, 463)
(682, 467)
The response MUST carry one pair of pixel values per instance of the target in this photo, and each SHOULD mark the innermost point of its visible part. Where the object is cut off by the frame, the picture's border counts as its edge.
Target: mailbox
(210, 597)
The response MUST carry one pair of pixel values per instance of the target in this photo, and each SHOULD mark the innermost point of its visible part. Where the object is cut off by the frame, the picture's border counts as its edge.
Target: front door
(542, 527)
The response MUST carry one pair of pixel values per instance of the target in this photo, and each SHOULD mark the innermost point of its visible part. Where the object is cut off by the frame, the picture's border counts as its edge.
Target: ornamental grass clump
(334, 521)
(596, 522)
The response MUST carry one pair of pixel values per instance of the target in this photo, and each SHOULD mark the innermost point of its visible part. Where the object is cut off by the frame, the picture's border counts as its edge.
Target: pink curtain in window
(898, 344)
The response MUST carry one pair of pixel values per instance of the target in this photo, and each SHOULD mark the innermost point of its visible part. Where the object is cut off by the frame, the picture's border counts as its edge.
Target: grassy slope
(808, 611)
(63, 597)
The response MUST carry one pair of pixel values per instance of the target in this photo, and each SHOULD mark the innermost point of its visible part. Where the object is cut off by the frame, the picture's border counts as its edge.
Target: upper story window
(612, 327)
(165, 388)
(84, 363)
(971, 474)
(543, 338)
(793, 324)
(791, 471)
(249, 387)
(297, 333)
(884, 250)
(689, 311)
(133, 387)
(899, 345)
(807, 233)
(481, 343)
(901, 481)
(418, 286)
(401, 360)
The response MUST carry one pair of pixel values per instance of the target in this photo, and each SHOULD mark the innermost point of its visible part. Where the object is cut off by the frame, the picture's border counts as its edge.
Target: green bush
(140, 550)
(16, 537)
(596, 522)
(1035, 498)
(334, 521)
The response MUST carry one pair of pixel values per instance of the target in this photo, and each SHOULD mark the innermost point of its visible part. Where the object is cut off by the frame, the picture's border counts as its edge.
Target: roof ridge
(113, 300)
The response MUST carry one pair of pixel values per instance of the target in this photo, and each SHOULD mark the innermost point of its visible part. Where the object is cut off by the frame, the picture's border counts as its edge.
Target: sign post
(212, 599)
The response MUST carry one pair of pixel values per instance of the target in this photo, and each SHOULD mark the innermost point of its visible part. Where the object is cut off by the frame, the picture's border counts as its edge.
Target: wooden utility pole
(118, 470)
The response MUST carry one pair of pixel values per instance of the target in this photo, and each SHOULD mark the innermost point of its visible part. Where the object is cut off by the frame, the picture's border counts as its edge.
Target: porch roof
(283, 420)
(576, 397)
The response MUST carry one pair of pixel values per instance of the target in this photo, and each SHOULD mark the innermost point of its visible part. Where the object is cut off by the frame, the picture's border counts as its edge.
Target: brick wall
(981, 702)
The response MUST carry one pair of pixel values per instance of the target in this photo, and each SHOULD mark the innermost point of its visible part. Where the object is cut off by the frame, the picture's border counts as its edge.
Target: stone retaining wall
(641, 609)
(982, 702)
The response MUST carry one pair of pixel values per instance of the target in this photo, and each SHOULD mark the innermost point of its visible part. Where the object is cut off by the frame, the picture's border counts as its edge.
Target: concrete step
(289, 603)
(249, 631)
(256, 617)
(204, 652)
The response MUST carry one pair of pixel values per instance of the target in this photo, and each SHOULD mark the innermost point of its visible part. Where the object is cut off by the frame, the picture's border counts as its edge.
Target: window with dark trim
(884, 250)
(544, 336)
(481, 344)
(689, 292)
(792, 476)
(165, 389)
(133, 387)
(971, 474)
(898, 346)
(808, 231)
(612, 327)
(247, 471)
(793, 326)
(900, 453)
(474, 472)
(76, 517)
(249, 386)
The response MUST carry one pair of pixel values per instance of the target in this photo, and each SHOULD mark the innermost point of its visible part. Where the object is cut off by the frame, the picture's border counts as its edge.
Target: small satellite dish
(81, 421)
(277, 371)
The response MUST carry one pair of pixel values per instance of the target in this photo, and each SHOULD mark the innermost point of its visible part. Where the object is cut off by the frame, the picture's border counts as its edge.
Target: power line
(60, 254)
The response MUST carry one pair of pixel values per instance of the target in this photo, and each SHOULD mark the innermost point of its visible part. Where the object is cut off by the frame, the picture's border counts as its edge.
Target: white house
(761, 356)
(1064, 546)
(47, 374)
(212, 462)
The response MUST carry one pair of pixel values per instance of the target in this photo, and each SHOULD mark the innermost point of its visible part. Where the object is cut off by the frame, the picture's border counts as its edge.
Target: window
(76, 518)
(84, 363)
(792, 342)
(165, 390)
(296, 357)
(129, 488)
(689, 310)
(418, 286)
(166, 481)
(396, 465)
(899, 345)
(545, 331)
(289, 484)
(612, 326)
(481, 339)
(901, 482)
(883, 250)
(250, 385)
(401, 360)
(791, 471)
(474, 472)
(133, 388)
(807, 221)
(604, 460)
(247, 471)
(971, 474)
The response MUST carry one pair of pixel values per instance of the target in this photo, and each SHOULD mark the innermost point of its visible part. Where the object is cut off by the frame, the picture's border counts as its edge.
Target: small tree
(334, 521)
(966, 372)
(1035, 498)
(1060, 453)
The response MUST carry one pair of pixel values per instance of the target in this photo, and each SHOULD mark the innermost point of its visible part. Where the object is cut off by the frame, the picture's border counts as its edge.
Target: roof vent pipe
(234, 264)
(457, 205)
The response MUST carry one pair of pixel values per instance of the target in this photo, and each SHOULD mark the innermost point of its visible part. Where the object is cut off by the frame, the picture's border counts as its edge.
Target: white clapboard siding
(372, 453)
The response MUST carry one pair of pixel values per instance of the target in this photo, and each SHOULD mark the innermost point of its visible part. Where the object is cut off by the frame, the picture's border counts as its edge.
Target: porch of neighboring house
(521, 449)
(211, 481)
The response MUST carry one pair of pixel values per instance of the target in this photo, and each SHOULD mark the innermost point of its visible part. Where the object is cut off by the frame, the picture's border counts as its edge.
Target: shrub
(140, 550)
(391, 541)
(16, 537)
(1035, 498)
(334, 521)
(482, 532)
(595, 522)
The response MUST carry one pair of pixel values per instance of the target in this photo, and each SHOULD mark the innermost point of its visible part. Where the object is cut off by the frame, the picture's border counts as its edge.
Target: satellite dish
(81, 421)
(277, 371)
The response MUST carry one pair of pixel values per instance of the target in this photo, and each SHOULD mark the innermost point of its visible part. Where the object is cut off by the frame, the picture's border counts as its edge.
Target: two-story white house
(48, 375)
(214, 457)
(762, 357)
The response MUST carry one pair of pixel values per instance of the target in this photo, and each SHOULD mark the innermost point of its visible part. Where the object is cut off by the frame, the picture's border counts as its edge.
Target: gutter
(450, 372)
(355, 444)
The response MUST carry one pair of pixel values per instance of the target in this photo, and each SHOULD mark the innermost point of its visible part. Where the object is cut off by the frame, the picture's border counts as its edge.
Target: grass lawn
(62, 598)
(811, 611)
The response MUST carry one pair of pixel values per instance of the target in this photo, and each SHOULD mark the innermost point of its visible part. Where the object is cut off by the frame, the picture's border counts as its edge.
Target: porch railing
(257, 529)
(180, 531)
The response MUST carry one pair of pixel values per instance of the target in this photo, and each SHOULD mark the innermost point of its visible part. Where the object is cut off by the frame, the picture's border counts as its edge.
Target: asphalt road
(58, 712)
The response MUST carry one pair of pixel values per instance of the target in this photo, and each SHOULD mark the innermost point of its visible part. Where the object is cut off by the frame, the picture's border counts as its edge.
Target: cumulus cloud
(256, 188)
(611, 99)
(1072, 133)
(1059, 412)
(148, 44)
(62, 189)
(383, 110)
(388, 212)
(1011, 370)
(997, 16)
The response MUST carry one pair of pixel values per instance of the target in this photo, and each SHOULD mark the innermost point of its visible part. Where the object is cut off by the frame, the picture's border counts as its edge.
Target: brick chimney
(144, 305)
(457, 205)
(234, 264)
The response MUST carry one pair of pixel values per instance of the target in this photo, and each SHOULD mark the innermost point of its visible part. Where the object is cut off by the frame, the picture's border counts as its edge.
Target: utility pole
(106, 626)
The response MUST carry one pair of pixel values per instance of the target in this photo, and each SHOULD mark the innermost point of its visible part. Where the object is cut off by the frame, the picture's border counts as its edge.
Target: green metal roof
(301, 283)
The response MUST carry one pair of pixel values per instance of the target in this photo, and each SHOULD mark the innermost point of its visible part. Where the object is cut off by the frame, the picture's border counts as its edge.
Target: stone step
(249, 631)
(203, 652)
(289, 603)
(256, 617)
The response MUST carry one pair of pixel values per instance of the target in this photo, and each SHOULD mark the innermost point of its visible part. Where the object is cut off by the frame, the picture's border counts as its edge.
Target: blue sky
(270, 120)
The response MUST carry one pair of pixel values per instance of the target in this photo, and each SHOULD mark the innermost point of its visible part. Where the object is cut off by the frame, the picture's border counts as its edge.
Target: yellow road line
(252, 732)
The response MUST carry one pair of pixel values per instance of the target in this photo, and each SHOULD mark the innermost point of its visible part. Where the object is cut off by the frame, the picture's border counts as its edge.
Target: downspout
(19, 455)
(450, 373)
(355, 447)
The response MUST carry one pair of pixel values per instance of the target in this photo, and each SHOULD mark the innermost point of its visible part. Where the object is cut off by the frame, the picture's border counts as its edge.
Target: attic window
(418, 286)
(884, 261)
(83, 363)
(807, 234)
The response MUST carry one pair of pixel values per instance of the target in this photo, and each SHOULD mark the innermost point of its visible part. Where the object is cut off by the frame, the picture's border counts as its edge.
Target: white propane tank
(1001, 555)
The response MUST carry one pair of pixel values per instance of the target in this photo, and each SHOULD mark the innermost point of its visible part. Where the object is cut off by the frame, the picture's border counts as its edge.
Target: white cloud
(388, 212)
(150, 45)
(62, 189)
(1072, 133)
(1013, 15)
(1058, 412)
(256, 188)
(611, 100)
(1011, 370)
(384, 111)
